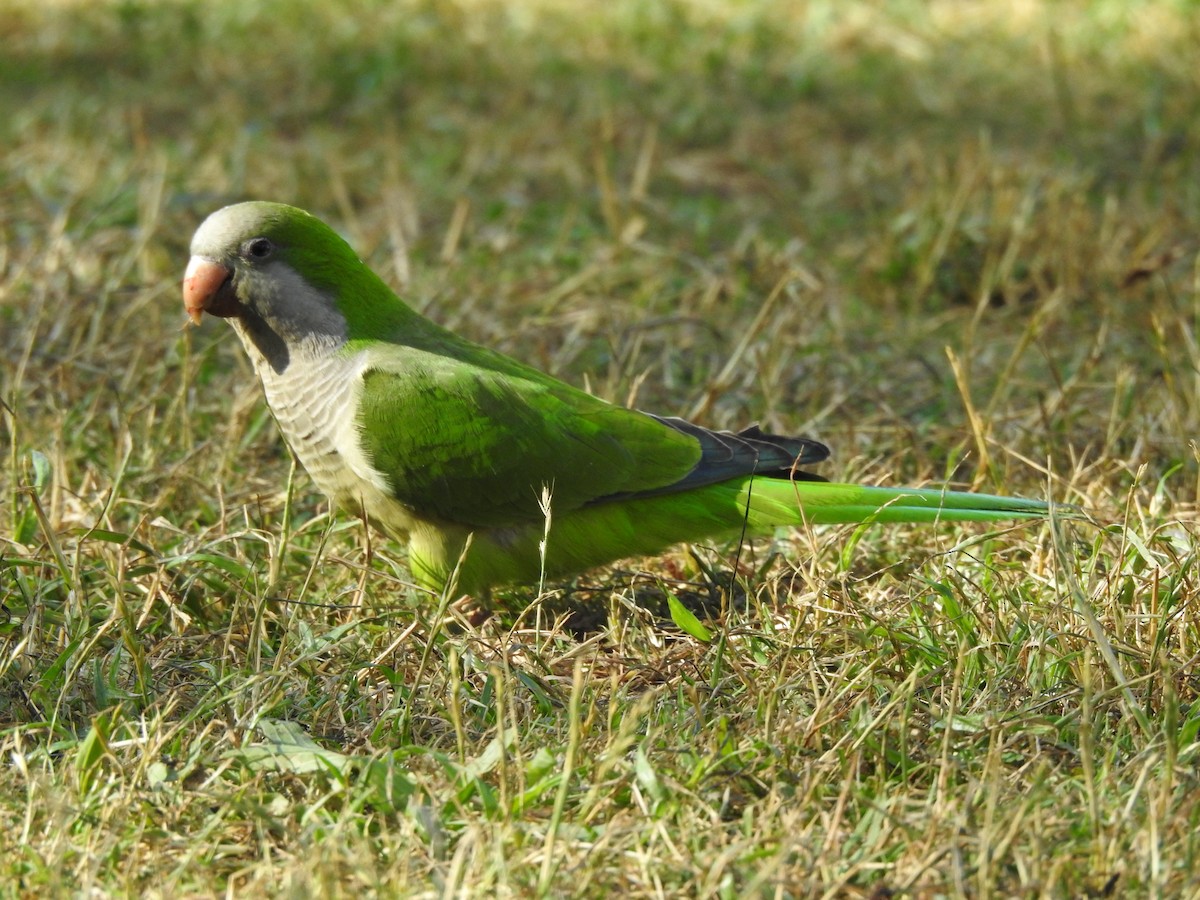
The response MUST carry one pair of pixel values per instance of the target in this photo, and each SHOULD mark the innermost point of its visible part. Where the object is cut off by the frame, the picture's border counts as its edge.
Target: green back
(469, 436)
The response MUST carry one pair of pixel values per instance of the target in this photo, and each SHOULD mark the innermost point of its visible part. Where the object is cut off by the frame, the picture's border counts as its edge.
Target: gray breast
(313, 399)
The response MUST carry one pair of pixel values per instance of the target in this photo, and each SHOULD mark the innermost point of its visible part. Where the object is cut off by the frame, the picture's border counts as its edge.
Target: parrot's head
(271, 266)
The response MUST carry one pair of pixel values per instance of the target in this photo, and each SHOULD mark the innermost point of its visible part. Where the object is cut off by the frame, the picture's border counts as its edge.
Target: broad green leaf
(686, 621)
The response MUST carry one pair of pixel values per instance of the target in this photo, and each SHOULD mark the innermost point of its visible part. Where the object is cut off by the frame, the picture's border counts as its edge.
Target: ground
(955, 241)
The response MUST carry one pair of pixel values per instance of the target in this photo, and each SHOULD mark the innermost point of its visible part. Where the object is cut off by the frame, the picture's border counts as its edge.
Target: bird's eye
(259, 248)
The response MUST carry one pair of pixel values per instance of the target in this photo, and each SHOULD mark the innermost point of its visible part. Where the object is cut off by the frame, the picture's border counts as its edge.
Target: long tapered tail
(780, 502)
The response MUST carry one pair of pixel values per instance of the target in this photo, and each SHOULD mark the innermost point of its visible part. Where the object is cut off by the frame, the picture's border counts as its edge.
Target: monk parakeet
(438, 440)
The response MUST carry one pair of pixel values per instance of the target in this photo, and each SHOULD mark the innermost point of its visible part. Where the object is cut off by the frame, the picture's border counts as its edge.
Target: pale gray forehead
(225, 229)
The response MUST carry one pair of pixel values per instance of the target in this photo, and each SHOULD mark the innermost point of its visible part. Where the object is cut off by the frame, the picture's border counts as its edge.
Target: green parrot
(495, 473)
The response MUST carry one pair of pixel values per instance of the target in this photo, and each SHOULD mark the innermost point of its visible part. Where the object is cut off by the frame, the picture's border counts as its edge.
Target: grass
(977, 227)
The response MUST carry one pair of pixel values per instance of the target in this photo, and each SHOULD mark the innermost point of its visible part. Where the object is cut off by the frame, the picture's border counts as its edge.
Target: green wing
(475, 442)
(467, 435)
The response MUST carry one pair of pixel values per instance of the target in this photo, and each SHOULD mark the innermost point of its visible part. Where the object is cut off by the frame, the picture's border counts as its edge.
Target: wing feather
(473, 439)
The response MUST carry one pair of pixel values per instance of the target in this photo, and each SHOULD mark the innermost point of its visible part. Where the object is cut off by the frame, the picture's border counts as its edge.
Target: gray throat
(265, 346)
(312, 389)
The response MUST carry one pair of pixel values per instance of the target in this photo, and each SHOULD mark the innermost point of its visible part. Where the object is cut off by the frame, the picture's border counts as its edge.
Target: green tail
(776, 502)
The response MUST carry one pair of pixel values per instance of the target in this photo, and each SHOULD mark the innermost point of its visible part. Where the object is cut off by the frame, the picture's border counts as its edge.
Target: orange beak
(201, 282)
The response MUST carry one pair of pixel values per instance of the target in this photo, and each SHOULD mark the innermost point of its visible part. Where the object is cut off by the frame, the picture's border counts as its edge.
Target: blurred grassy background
(954, 240)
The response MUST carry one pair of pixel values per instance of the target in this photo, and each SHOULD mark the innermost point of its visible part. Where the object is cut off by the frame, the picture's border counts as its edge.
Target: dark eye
(259, 248)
